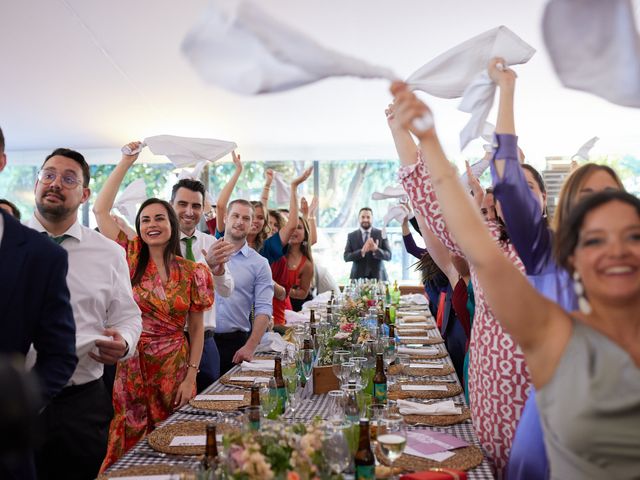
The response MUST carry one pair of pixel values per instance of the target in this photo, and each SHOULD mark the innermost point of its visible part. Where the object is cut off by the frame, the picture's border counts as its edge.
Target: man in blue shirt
(235, 335)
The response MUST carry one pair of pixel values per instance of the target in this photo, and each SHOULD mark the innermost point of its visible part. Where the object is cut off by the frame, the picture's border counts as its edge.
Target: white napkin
(128, 201)
(185, 151)
(271, 342)
(218, 397)
(249, 52)
(594, 47)
(583, 151)
(395, 212)
(317, 301)
(249, 379)
(427, 365)
(422, 388)
(411, 319)
(417, 351)
(283, 189)
(449, 74)
(259, 365)
(295, 318)
(401, 325)
(416, 298)
(395, 191)
(446, 407)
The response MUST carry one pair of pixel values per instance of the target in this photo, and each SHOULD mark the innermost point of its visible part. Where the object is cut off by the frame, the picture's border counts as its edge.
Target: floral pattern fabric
(145, 385)
(498, 377)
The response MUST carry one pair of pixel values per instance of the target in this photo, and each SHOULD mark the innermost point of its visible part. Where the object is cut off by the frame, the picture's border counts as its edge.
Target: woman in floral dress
(171, 292)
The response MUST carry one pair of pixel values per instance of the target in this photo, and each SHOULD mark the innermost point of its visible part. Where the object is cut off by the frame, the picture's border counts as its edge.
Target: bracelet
(193, 365)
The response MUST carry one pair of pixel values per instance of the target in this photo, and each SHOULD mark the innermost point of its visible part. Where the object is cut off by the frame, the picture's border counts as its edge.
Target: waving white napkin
(417, 351)
(261, 365)
(583, 151)
(395, 191)
(450, 73)
(395, 212)
(249, 52)
(128, 201)
(271, 342)
(283, 189)
(185, 151)
(194, 174)
(296, 318)
(594, 47)
(317, 301)
(446, 407)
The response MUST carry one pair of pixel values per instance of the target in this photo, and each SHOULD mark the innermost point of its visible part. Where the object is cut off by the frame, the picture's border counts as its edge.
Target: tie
(366, 237)
(189, 242)
(59, 239)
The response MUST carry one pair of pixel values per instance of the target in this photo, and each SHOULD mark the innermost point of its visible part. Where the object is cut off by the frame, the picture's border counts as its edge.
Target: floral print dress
(498, 377)
(146, 384)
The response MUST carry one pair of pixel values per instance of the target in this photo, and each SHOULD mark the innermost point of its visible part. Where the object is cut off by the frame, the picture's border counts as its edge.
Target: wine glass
(389, 351)
(347, 371)
(268, 397)
(335, 446)
(305, 360)
(392, 437)
(336, 404)
(375, 414)
(339, 357)
(403, 363)
(293, 395)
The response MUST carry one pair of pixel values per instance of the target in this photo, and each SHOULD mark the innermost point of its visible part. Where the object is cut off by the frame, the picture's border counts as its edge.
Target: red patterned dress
(146, 384)
(498, 376)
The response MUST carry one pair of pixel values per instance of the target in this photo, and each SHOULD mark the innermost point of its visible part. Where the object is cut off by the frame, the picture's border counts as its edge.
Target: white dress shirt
(223, 285)
(101, 294)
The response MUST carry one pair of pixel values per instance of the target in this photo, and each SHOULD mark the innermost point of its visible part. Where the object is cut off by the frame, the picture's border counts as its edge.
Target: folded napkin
(413, 318)
(446, 407)
(271, 342)
(295, 318)
(258, 365)
(417, 351)
(402, 326)
(416, 298)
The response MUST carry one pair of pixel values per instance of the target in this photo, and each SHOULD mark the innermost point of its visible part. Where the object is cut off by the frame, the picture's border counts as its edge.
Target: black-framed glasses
(68, 180)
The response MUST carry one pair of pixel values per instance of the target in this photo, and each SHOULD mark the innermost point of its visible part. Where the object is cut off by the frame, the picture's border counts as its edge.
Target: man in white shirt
(76, 423)
(187, 199)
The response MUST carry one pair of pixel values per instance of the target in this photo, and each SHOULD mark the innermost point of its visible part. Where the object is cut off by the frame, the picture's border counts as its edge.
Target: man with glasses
(34, 301)
(76, 423)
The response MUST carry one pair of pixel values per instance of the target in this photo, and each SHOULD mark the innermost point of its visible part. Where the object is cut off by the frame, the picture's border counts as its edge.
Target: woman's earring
(583, 303)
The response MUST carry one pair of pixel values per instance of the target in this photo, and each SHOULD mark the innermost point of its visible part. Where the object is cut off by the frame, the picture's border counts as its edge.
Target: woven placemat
(428, 341)
(413, 330)
(160, 439)
(408, 318)
(395, 392)
(223, 405)
(435, 356)
(464, 459)
(225, 379)
(157, 469)
(436, 420)
(418, 372)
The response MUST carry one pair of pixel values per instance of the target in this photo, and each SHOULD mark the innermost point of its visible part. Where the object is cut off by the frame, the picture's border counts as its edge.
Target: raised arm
(301, 290)
(292, 221)
(225, 193)
(107, 196)
(538, 325)
(438, 252)
(268, 180)
(309, 214)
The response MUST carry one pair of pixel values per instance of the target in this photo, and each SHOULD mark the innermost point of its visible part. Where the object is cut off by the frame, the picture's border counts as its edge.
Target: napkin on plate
(259, 365)
(417, 351)
(446, 407)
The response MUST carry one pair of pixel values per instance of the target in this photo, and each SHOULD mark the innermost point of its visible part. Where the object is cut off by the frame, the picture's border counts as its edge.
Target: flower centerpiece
(346, 332)
(278, 451)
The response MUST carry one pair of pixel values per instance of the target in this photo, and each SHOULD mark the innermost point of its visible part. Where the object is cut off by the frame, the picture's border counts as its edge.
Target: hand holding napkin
(446, 407)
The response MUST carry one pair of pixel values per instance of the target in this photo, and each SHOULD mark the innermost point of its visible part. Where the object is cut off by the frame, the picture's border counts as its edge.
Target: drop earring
(583, 303)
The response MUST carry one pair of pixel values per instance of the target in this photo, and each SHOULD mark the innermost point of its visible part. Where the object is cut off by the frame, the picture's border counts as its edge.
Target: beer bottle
(381, 326)
(210, 461)
(387, 315)
(280, 387)
(392, 331)
(254, 415)
(255, 395)
(387, 295)
(379, 382)
(364, 459)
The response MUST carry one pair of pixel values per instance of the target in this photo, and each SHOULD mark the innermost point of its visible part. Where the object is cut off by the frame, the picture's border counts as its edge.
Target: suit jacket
(34, 304)
(371, 265)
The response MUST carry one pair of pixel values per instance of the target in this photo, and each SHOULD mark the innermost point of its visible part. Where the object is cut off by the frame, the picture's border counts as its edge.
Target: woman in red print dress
(171, 292)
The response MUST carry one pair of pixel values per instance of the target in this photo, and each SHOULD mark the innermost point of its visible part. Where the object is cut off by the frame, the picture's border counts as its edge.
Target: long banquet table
(312, 406)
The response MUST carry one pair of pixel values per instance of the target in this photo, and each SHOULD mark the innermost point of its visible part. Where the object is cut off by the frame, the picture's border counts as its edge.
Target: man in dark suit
(367, 249)
(34, 308)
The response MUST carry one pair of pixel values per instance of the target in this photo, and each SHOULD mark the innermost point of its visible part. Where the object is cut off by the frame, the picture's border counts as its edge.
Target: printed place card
(426, 365)
(220, 398)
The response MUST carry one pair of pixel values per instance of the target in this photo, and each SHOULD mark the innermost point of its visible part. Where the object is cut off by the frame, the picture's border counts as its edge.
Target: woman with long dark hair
(171, 291)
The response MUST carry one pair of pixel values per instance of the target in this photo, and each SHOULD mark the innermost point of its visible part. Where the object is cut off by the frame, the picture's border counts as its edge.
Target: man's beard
(365, 226)
(237, 238)
(54, 213)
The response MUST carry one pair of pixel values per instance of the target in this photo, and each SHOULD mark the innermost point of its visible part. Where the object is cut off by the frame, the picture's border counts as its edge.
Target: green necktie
(59, 239)
(189, 242)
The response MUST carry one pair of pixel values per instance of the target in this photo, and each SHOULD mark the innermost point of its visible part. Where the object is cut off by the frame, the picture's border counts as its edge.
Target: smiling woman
(169, 290)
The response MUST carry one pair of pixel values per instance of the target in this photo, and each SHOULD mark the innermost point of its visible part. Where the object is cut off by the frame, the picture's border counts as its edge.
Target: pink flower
(293, 476)
(347, 327)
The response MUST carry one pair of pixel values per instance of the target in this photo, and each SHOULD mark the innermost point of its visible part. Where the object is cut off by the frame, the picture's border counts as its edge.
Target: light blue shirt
(253, 286)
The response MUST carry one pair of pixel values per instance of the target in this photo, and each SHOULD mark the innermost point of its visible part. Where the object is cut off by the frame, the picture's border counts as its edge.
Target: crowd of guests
(541, 316)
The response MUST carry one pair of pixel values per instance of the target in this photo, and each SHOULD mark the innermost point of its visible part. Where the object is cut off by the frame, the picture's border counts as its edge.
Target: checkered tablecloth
(312, 406)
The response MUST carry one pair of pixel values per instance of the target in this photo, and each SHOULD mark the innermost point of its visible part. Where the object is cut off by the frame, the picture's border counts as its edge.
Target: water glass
(336, 404)
(403, 362)
(293, 396)
(335, 446)
(305, 360)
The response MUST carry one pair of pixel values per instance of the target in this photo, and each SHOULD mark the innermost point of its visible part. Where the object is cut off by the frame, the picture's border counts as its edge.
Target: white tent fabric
(283, 189)
(185, 151)
(594, 47)
(249, 52)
